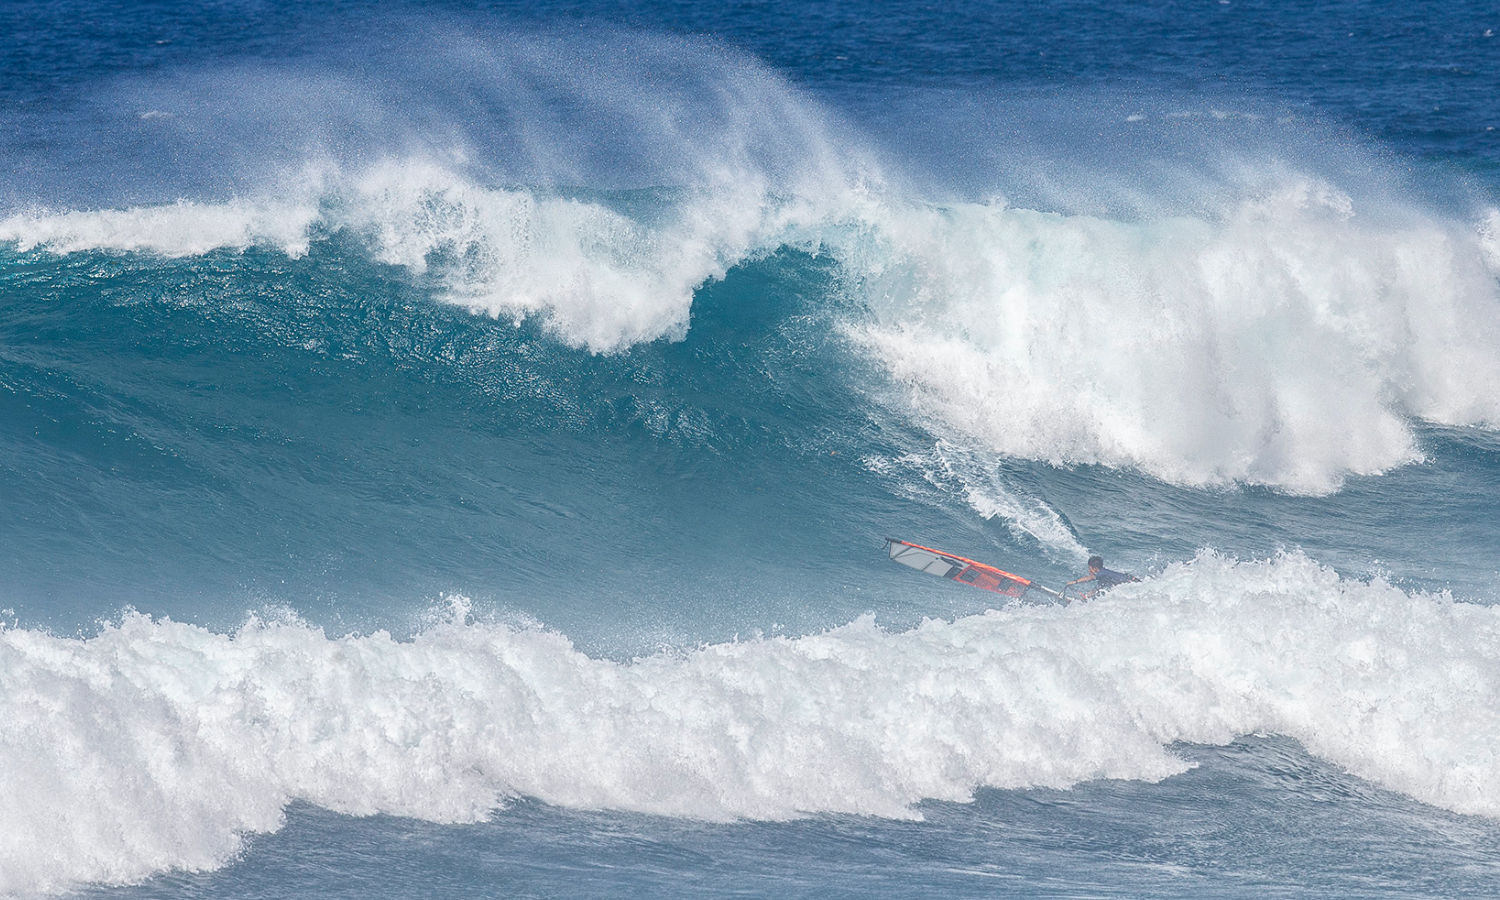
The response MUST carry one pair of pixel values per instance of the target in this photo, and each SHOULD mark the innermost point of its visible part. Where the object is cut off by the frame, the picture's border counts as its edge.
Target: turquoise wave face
(201, 434)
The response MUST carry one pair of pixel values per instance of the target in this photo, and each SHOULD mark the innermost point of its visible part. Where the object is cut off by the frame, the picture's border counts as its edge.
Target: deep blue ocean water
(447, 449)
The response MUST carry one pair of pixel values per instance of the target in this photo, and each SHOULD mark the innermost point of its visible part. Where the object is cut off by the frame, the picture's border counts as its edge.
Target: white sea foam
(598, 277)
(179, 229)
(157, 745)
(1289, 338)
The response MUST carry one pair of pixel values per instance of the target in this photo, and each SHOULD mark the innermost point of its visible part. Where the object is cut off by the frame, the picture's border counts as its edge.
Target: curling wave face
(156, 745)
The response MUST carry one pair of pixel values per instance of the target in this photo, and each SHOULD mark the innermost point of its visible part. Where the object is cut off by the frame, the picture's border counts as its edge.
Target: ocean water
(447, 449)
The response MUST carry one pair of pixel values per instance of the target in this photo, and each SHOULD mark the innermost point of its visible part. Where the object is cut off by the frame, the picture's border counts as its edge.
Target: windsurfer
(1103, 578)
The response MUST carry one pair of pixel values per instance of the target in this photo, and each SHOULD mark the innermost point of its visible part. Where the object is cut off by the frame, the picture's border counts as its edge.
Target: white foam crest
(185, 228)
(1288, 339)
(687, 159)
(157, 745)
(601, 279)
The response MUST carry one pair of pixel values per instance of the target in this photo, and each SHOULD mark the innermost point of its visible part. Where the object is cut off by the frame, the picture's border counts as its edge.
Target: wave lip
(599, 278)
(163, 743)
(592, 180)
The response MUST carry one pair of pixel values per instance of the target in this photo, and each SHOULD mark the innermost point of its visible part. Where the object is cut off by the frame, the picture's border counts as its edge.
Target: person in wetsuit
(1103, 578)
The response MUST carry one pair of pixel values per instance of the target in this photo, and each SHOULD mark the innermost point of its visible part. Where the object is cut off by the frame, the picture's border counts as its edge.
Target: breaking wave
(1267, 325)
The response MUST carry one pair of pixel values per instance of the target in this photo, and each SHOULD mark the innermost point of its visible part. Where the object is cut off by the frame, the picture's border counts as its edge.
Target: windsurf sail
(947, 565)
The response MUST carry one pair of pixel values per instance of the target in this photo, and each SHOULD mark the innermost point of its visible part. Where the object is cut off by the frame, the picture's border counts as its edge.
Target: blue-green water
(451, 452)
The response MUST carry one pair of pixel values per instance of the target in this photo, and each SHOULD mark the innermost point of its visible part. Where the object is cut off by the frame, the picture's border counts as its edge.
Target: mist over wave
(162, 743)
(1262, 322)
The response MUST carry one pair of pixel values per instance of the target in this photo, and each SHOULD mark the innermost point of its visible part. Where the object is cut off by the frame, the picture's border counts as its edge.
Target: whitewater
(485, 455)
(163, 743)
